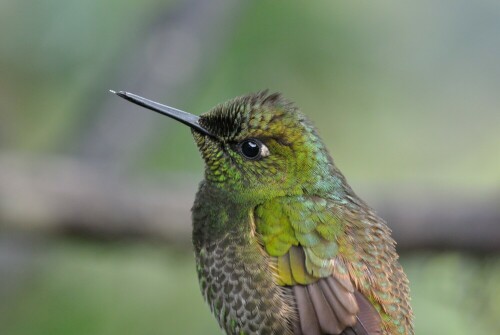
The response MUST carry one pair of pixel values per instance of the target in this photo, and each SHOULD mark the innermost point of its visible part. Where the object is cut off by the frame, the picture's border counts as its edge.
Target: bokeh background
(95, 192)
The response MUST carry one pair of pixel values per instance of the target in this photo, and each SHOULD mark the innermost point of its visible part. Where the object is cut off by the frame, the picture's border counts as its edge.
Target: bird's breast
(237, 284)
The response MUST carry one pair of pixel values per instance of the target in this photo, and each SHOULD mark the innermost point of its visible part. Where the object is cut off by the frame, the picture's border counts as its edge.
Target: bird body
(282, 243)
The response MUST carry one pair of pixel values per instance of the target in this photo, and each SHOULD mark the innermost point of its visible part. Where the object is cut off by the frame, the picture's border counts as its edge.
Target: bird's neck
(215, 216)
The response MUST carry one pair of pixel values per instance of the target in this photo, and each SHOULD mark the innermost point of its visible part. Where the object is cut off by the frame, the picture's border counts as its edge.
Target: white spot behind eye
(264, 151)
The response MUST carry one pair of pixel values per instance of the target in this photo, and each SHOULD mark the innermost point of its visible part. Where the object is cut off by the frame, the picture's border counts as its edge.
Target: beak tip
(122, 94)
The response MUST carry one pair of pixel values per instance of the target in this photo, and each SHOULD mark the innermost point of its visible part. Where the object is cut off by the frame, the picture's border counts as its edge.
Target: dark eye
(253, 149)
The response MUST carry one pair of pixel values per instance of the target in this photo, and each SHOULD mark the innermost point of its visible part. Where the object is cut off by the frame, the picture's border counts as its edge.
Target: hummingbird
(282, 243)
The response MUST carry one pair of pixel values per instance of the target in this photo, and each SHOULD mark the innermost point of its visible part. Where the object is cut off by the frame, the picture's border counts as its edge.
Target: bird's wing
(304, 238)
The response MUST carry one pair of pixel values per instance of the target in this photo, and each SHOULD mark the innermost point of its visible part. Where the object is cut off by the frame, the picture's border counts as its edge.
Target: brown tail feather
(369, 321)
(327, 308)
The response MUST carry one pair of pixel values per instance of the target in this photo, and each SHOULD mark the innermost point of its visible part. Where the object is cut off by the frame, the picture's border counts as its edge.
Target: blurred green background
(95, 193)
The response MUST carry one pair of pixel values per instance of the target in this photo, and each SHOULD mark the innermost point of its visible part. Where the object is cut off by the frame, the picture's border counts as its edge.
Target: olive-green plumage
(282, 243)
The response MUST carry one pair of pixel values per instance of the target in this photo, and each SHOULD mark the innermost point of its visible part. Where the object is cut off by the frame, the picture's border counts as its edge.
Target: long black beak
(176, 114)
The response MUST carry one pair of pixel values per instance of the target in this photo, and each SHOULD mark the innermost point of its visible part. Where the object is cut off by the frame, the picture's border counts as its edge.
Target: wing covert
(307, 222)
(302, 235)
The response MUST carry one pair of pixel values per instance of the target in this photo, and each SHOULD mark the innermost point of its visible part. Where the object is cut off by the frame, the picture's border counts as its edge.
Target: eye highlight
(253, 149)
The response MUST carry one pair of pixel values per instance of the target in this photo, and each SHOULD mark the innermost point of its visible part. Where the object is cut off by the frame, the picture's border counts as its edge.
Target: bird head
(256, 147)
